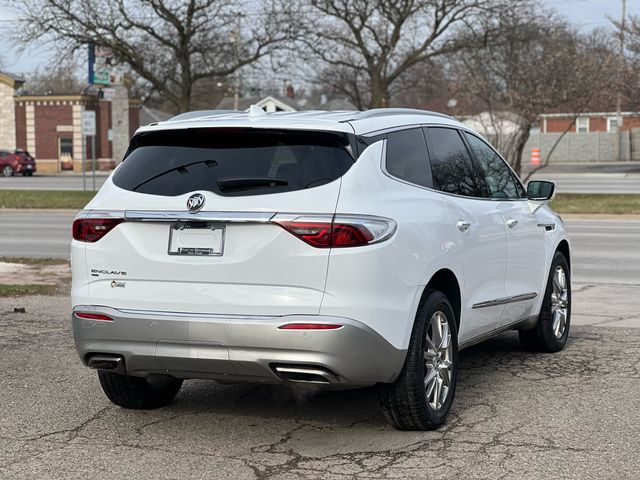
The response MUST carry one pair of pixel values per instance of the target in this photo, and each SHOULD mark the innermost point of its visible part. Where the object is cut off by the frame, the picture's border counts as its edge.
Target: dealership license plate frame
(192, 239)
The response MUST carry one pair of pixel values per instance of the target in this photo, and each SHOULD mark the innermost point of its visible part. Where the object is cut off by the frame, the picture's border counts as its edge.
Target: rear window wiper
(228, 183)
(180, 169)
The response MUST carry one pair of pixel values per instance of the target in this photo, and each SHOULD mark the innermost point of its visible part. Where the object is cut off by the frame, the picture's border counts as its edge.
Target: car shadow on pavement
(488, 364)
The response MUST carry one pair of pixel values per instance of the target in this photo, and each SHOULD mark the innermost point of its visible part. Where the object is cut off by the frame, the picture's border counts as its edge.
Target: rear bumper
(236, 348)
(28, 167)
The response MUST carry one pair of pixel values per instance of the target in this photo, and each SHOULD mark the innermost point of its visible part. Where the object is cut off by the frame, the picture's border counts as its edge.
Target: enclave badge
(195, 202)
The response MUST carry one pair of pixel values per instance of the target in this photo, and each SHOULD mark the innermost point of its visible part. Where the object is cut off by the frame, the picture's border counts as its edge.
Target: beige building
(8, 86)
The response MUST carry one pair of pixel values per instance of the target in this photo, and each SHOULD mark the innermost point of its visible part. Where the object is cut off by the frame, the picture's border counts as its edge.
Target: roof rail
(382, 112)
(200, 113)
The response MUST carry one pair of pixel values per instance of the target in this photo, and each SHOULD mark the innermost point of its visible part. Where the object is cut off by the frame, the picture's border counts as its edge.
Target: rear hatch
(187, 223)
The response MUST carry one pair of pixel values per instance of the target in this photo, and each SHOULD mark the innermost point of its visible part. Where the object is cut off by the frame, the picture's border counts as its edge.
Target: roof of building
(11, 79)
(591, 114)
(349, 121)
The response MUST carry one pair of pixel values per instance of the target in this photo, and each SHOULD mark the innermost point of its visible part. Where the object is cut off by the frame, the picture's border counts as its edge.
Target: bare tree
(172, 44)
(630, 81)
(426, 85)
(367, 45)
(56, 80)
(538, 65)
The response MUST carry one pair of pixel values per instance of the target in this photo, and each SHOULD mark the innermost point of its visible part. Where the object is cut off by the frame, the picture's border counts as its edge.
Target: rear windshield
(232, 162)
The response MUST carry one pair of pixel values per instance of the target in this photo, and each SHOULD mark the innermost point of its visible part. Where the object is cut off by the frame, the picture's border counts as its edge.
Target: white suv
(333, 248)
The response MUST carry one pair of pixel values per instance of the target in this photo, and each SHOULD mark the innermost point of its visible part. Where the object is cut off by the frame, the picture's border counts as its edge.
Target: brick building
(588, 122)
(49, 127)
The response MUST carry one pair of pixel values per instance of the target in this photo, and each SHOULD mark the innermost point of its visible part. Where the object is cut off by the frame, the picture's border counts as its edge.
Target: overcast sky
(587, 14)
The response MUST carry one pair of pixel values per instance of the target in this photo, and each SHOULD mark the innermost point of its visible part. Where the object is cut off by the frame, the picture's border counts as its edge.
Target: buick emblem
(195, 202)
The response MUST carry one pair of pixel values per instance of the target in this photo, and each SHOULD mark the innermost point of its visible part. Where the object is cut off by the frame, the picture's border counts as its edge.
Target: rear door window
(232, 162)
(407, 156)
(451, 165)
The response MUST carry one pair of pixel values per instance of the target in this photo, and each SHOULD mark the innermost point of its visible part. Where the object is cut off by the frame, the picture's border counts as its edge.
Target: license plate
(196, 239)
(29, 167)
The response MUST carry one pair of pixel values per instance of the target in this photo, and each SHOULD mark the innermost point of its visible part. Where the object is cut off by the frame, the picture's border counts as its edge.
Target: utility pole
(236, 75)
(620, 80)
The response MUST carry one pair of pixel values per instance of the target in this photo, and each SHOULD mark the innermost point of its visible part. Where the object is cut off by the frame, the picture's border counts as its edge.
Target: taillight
(93, 229)
(343, 231)
(93, 316)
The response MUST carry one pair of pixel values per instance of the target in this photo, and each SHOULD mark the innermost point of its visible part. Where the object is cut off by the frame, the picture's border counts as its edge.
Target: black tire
(139, 393)
(543, 337)
(405, 402)
(8, 171)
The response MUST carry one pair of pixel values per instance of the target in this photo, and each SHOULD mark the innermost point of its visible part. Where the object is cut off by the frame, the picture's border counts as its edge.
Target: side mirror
(541, 190)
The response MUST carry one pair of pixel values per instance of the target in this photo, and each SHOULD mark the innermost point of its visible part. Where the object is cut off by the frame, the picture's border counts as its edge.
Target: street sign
(102, 69)
(108, 94)
(89, 123)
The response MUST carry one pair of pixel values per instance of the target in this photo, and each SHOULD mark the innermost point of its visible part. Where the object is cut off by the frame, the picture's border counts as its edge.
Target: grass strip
(71, 199)
(603, 203)
(26, 289)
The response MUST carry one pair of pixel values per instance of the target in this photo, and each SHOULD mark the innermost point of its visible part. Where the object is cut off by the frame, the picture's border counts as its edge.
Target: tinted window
(232, 162)
(407, 156)
(498, 177)
(451, 164)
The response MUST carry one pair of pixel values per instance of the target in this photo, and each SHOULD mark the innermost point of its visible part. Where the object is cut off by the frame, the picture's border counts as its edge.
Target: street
(604, 251)
(593, 182)
(51, 182)
(35, 234)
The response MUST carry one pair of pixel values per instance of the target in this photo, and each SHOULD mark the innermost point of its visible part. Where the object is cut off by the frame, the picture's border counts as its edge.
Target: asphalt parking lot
(516, 415)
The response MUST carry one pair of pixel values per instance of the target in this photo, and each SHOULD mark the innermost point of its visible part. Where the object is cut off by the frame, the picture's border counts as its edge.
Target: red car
(16, 161)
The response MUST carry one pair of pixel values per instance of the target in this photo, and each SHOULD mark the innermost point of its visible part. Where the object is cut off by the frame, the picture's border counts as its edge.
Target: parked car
(16, 161)
(340, 249)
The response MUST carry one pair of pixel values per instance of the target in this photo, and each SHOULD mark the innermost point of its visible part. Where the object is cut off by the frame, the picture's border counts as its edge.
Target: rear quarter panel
(381, 285)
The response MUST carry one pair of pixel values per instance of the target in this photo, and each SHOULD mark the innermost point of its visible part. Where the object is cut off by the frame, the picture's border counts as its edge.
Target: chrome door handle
(463, 226)
(512, 222)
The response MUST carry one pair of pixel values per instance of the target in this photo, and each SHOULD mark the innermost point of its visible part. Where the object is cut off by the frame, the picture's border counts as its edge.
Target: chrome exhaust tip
(113, 363)
(303, 374)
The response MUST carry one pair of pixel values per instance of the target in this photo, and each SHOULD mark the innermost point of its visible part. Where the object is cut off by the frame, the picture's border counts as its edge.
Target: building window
(582, 124)
(612, 124)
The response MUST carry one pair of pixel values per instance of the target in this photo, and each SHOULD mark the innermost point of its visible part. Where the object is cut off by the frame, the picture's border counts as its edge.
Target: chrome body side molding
(505, 300)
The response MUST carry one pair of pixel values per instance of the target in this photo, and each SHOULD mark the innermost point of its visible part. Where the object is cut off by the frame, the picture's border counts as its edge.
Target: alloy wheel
(438, 360)
(559, 301)
(7, 171)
